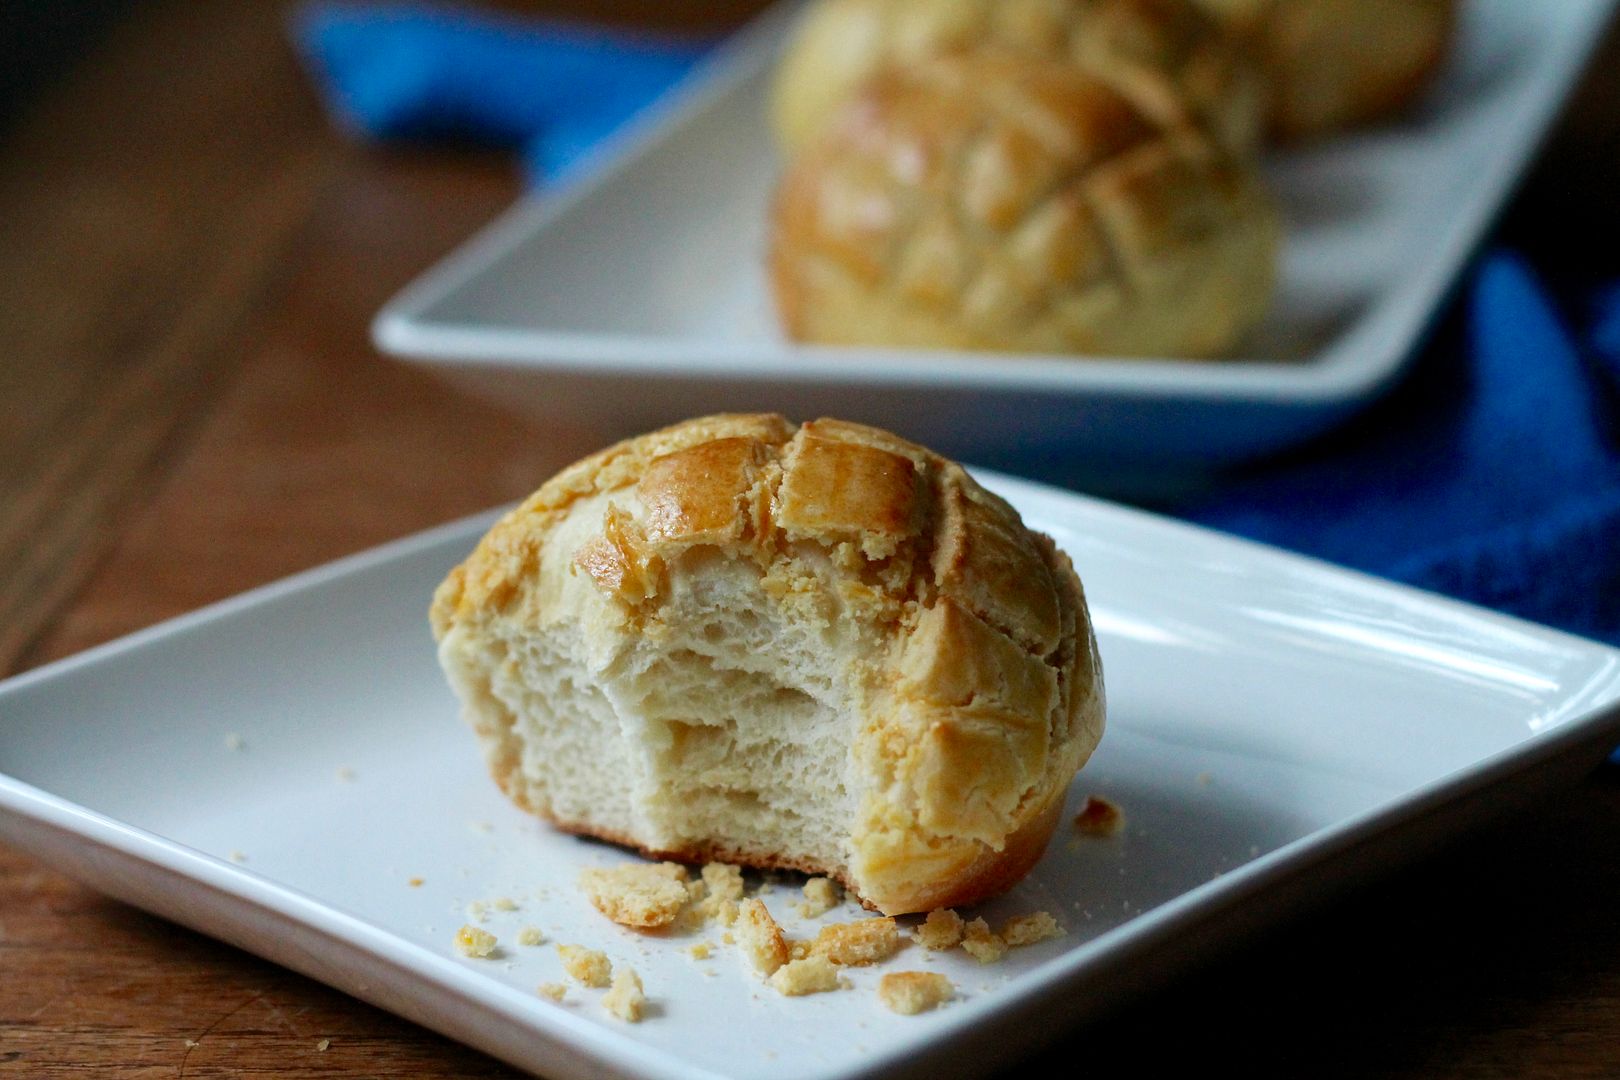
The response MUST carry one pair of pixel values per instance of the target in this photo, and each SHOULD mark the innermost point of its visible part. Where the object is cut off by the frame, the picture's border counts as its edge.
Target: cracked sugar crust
(760, 937)
(989, 200)
(858, 944)
(637, 894)
(954, 679)
(912, 992)
(1175, 61)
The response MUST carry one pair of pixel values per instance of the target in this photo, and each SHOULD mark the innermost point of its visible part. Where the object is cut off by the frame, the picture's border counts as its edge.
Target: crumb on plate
(1099, 817)
(912, 992)
(760, 937)
(641, 895)
(552, 990)
(471, 941)
(1028, 929)
(979, 943)
(588, 967)
(858, 943)
(530, 935)
(812, 975)
(723, 888)
(821, 895)
(626, 999)
(942, 929)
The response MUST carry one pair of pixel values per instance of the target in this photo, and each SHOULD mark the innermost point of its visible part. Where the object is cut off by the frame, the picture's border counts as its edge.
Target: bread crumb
(725, 912)
(725, 881)
(641, 895)
(416, 882)
(798, 950)
(531, 935)
(480, 826)
(912, 992)
(821, 895)
(858, 943)
(554, 991)
(723, 888)
(626, 999)
(941, 930)
(701, 950)
(1099, 817)
(812, 975)
(471, 941)
(192, 1044)
(585, 966)
(322, 1046)
(504, 903)
(1028, 929)
(760, 936)
(345, 773)
(979, 943)
(233, 741)
(238, 857)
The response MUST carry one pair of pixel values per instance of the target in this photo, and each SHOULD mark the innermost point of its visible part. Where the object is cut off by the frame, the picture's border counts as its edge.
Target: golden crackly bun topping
(988, 201)
(1172, 60)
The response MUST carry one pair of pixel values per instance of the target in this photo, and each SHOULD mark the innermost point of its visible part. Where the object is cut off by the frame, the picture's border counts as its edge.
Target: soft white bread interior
(817, 647)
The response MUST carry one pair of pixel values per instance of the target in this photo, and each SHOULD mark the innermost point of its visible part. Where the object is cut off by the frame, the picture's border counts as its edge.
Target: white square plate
(1275, 725)
(638, 296)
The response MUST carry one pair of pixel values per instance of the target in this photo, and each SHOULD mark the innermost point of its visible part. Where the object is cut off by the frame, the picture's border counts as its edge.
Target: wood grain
(140, 232)
(189, 407)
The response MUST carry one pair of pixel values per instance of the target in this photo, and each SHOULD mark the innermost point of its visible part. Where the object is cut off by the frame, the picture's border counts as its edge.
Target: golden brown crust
(1174, 62)
(991, 201)
(1332, 65)
(973, 717)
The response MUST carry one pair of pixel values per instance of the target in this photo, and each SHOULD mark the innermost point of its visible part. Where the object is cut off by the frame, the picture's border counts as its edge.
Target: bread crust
(977, 693)
(1176, 63)
(988, 201)
(1333, 65)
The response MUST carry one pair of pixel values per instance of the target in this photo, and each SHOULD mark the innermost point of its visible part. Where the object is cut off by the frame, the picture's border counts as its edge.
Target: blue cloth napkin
(1491, 475)
(554, 90)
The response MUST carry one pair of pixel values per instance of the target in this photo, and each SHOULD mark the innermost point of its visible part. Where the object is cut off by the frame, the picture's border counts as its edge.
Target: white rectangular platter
(277, 769)
(638, 296)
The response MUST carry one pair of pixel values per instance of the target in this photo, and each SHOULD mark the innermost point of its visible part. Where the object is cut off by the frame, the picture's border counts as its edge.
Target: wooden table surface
(189, 406)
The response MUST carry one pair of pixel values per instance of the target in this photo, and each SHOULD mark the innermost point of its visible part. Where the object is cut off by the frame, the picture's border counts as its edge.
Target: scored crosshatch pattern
(1001, 202)
(1174, 63)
